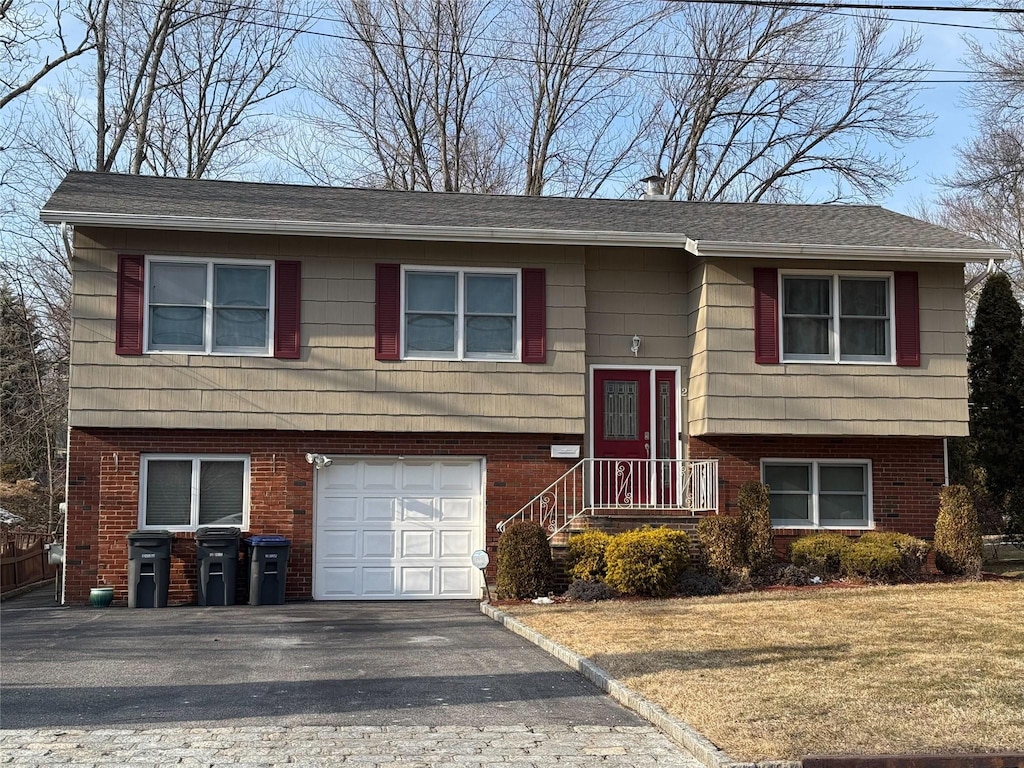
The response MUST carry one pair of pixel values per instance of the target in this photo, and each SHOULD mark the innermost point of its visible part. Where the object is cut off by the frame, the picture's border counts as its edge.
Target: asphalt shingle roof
(829, 225)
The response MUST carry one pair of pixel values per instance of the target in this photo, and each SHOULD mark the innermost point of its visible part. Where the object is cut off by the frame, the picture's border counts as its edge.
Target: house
(385, 377)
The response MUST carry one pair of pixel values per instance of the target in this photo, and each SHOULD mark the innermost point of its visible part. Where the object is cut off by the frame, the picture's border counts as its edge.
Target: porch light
(634, 347)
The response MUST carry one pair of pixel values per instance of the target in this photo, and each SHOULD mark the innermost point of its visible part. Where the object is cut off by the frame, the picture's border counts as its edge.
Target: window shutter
(766, 316)
(388, 311)
(287, 309)
(131, 274)
(908, 320)
(534, 316)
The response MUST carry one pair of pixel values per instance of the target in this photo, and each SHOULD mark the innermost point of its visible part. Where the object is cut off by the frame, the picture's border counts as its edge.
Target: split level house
(387, 377)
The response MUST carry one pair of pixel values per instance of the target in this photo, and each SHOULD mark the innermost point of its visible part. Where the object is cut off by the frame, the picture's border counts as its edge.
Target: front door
(634, 421)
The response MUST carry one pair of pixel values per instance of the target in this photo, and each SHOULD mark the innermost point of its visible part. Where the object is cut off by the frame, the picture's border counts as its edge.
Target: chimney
(655, 188)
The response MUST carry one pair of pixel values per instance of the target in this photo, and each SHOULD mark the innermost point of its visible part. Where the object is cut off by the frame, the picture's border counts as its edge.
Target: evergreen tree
(22, 444)
(1014, 506)
(996, 424)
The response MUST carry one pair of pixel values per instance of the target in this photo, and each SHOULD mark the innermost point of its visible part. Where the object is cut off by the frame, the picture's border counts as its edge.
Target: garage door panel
(456, 510)
(456, 582)
(390, 529)
(455, 544)
(418, 476)
(335, 544)
(417, 544)
(459, 476)
(379, 509)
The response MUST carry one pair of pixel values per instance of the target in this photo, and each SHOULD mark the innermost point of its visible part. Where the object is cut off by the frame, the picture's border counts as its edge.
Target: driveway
(425, 671)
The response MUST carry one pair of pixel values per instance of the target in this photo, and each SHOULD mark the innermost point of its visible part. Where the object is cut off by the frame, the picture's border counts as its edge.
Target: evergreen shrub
(887, 557)
(525, 568)
(758, 536)
(647, 561)
(957, 534)
(821, 554)
(585, 557)
(721, 539)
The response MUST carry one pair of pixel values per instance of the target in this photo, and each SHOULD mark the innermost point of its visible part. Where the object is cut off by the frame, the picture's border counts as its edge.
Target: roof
(103, 199)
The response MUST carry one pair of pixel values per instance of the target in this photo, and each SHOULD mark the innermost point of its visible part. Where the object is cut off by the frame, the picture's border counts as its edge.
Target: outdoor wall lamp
(634, 347)
(318, 460)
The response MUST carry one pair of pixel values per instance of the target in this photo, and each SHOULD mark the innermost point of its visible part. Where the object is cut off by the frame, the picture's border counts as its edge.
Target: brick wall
(907, 473)
(103, 494)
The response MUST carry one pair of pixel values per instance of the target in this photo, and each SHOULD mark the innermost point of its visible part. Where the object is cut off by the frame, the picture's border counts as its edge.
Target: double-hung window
(461, 314)
(837, 318)
(819, 493)
(180, 492)
(202, 306)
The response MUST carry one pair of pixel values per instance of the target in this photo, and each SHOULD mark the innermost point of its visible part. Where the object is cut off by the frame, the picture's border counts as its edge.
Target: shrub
(886, 557)
(524, 561)
(699, 584)
(957, 534)
(757, 534)
(820, 553)
(585, 558)
(721, 539)
(587, 591)
(647, 561)
(793, 576)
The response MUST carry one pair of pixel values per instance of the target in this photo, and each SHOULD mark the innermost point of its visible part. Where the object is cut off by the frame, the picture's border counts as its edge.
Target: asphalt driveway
(332, 664)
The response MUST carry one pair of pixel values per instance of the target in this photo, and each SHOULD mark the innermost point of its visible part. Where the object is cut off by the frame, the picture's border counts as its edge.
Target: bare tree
(985, 196)
(766, 107)
(576, 125)
(405, 97)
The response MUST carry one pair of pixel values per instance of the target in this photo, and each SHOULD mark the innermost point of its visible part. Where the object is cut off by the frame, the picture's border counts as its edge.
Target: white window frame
(195, 458)
(835, 353)
(814, 464)
(460, 315)
(208, 306)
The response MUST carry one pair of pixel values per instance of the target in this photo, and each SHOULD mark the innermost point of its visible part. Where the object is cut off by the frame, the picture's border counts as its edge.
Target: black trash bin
(216, 564)
(149, 568)
(267, 563)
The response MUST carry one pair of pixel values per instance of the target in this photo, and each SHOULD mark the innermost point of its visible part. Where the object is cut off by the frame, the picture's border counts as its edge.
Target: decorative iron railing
(593, 485)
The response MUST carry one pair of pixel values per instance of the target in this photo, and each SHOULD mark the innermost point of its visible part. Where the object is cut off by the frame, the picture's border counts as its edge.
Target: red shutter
(388, 311)
(766, 315)
(908, 320)
(287, 309)
(535, 306)
(131, 272)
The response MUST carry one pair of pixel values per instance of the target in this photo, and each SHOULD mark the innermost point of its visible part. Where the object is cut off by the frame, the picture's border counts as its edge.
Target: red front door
(627, 432)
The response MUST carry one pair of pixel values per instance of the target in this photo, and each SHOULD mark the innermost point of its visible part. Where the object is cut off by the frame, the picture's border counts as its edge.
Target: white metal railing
(593, 485)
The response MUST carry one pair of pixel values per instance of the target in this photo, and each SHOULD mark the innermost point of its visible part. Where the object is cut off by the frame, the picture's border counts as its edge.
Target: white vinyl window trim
(814, 465)
(196, 461)
(459, 353)
(835, 354)
(208, 348)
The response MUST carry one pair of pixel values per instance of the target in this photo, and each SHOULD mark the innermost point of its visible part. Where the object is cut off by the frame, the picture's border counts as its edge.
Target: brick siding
(907, 473)
(103, 494)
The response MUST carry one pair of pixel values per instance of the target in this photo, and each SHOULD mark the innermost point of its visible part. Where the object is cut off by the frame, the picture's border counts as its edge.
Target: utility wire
(996, 11)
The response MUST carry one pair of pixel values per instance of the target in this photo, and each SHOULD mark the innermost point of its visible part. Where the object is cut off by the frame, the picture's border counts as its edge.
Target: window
(208, 307)
(837, 318)
(819, 494)
(455, 314)
(180, 492)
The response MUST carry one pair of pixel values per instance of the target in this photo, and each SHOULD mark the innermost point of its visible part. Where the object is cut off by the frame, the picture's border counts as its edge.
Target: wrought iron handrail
(620, 484)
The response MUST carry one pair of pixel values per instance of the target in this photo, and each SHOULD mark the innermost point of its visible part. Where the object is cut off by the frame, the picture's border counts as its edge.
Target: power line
(997, 11)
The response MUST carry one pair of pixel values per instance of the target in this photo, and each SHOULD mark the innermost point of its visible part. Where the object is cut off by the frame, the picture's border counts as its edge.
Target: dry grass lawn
(785, 674)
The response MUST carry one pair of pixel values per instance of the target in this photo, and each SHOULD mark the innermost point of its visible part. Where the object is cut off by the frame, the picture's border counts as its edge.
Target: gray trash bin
(216, 564)
(267, 562)
(149, 568)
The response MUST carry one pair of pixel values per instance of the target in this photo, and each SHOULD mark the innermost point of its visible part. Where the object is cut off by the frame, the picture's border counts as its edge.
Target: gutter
(722, 248)
(977, 279)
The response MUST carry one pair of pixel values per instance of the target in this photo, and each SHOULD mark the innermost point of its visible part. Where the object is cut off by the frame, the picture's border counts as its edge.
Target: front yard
(784, 674)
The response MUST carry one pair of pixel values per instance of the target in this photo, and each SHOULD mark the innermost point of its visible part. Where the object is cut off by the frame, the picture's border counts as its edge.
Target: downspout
(989, 270)
(67, 457)
(945, 459)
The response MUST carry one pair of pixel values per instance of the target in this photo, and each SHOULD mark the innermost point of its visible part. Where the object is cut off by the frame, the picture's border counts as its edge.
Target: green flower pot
(101, 597)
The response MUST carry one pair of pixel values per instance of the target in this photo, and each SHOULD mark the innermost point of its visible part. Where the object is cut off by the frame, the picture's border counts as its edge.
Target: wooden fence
(23, 559)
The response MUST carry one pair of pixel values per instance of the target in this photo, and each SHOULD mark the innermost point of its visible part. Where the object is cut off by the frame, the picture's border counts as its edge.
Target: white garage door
(397, 529)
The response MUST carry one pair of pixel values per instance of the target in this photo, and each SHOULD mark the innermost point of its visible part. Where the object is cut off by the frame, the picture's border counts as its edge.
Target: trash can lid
(218, 532)
(147, 533)
(265, 540)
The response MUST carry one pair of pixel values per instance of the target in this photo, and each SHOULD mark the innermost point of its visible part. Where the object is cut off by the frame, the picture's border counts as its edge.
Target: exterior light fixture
(318, 460)
(634, 347)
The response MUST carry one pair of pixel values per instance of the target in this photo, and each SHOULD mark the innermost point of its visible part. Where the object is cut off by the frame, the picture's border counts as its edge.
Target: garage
(398, 529)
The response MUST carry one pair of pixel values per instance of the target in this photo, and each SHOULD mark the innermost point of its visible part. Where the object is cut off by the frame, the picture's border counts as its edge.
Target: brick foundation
(103, 494)
(907, 473)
